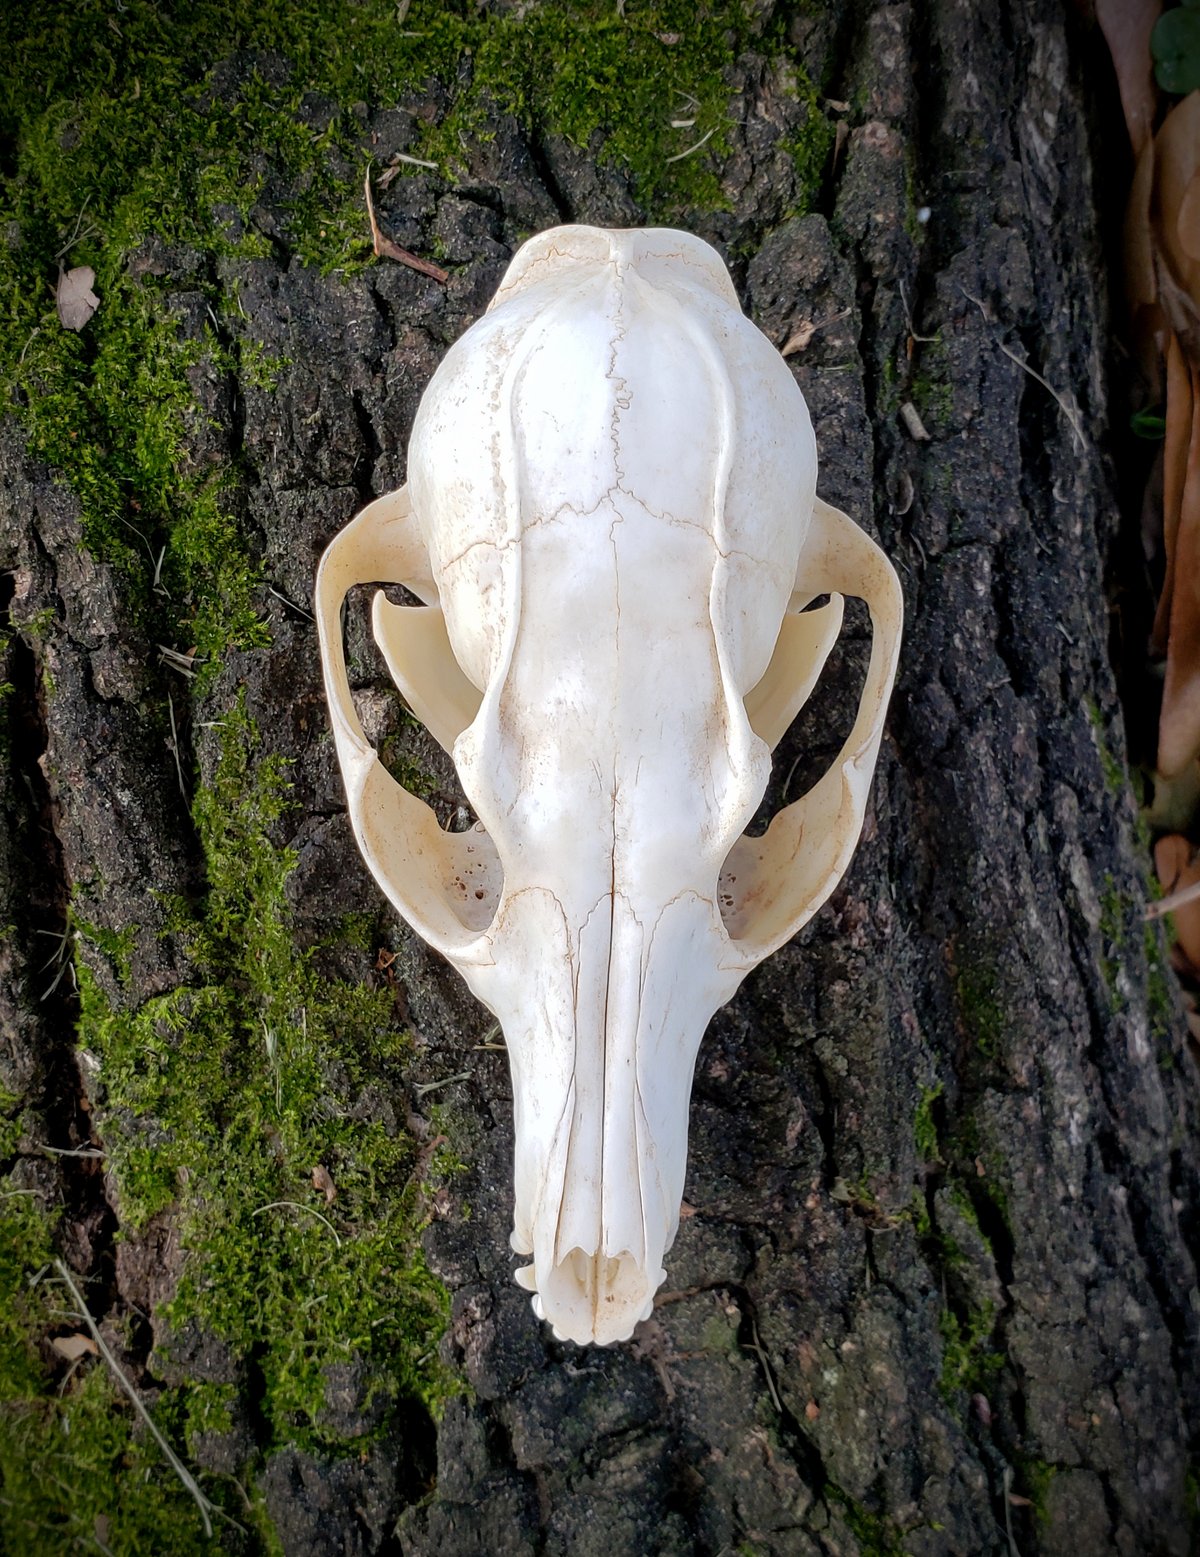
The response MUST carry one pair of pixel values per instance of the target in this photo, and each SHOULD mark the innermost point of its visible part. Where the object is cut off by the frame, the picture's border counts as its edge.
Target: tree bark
(935, 1288)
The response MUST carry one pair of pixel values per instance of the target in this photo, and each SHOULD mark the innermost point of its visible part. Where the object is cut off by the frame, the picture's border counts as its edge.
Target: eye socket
(469, 867)
(817, 731)
(805, 793)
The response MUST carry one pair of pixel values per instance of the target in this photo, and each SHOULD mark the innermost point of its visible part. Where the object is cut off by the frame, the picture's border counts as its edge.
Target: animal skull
(612, 522)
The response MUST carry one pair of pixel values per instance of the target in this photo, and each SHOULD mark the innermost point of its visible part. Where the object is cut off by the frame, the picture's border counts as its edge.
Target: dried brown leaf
(1173, 218)
(74, 297)
(799, 338)
(1146, 326)
(1189, 219)
(1140, 285)
(1179, 722)
(1176, 442)
(73, 1347)
(321, 1180)
(1127, 25)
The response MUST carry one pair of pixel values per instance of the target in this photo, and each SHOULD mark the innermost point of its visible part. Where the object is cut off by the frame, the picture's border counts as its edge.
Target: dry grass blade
(296, 1205)
(1066, 406)
(387, 249)
(207, 1509)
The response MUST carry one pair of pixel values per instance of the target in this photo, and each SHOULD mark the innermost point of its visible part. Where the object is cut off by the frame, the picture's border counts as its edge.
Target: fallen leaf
(322, 1181)
(74, 297)
(1174, 217)
(1147, 328)
(1177, 437)
(799, 338)
(1179, 721)
(73, 1347)
(1127, 26)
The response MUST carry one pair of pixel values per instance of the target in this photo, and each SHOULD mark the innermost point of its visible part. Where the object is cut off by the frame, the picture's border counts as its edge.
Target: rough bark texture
(936, 1290)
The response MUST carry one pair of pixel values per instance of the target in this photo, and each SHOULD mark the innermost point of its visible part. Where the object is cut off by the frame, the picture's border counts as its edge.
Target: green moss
(397, 756)
(918, 1215)
(254, 1076)
(217, 1101)
(929, 386)
(1117, 912)
(75, 1466)
(968, 1363)
(925, 1131)
(613, 80)
(1033, 1481)
(122, 134)
(877, 1536)
(116, 946)
(1116, 777)
(978, 991)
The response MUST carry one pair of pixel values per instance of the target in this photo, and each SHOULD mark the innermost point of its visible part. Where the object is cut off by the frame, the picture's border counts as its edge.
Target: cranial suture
(611, 520)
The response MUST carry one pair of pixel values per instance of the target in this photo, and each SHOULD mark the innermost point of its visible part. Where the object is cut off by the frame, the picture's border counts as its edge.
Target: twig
(424, 1087)
(1013, 1549)
(756, 1346)
(1064, 405)
(175, 746)
(291, 604)
(185, 1476)
(1174, 900)
(67, 1151)
(296, 1205)
(414, 162)
(385, 246)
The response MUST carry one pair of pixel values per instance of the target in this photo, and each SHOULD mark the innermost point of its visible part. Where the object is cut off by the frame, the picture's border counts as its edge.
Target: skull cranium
(612, 522)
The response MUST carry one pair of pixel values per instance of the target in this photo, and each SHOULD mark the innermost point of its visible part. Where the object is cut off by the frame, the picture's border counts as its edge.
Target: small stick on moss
(206, 1508)
(386, 247)
(680, 155)
(296, 1205)
(421, 1089)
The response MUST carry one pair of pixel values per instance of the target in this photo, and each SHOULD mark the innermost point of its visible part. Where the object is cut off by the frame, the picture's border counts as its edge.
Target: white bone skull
(612, 522)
